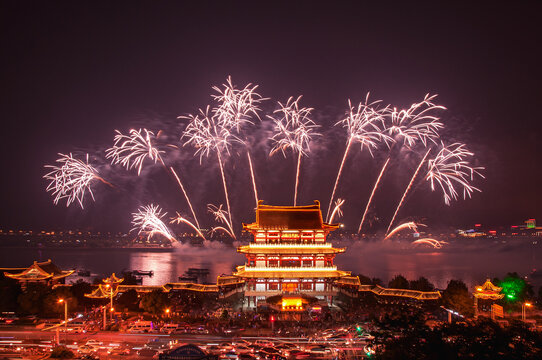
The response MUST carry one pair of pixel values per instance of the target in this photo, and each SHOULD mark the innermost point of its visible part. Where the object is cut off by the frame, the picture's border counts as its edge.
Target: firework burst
(337, 210)
(181, 220)
(364, 125)
(408, 225)
(72, 179)
(417, 123)
(432, 242)
(293, 130)
(221, 216)
(237, 106)
(407, 190)
(450, 169)
(207, 133)
(148, 220)
(131, 150)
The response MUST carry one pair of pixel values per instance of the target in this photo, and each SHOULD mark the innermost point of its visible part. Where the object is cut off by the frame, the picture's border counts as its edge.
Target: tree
(128, 299)
(398, 282)
(79, 289)
(422, 284)
(483, 339)
(457, 297)
(516, 289)
(364, 280)
(155, 302)
(10, 290)
(51, 306)
(31, 299)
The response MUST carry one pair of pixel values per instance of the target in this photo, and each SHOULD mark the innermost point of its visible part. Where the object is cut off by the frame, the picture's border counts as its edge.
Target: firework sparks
(185, 194)
(236, 105)
(236, 108)
(252, 177)
(337, 210)
(408, 225)
(148, 219)
(206, 133)
(365, 125)
(71, 179)
(222, 228)
(131, 150)
(372, 194)
(407, 190)
(417, 123)
(221, 216)
(293, 130)
(450, 169)
(428, 241)
(179, 219)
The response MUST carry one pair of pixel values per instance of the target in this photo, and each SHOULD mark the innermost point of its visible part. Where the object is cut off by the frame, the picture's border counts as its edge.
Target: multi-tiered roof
(290, 231)
(37, 272)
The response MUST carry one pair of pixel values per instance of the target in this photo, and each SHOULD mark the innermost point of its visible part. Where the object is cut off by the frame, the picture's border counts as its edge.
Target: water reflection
(471, 262)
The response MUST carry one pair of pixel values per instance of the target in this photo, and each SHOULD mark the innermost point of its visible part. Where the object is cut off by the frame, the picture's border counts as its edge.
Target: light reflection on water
(472, 263)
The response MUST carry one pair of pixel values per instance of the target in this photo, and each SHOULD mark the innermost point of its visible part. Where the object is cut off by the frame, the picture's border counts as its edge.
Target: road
(135, 341)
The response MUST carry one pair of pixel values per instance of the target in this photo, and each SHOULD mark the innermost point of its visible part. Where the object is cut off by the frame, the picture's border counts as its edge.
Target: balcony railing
(279, 246)
(290, 268)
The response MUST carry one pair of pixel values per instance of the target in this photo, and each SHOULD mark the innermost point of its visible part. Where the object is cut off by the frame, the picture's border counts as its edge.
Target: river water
(469, 260)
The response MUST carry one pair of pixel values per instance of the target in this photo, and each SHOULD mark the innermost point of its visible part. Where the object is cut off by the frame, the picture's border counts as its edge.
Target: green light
(512, 286)
(359, 329)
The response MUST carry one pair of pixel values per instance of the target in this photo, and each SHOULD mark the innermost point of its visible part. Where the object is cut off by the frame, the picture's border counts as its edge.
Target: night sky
(73, 72)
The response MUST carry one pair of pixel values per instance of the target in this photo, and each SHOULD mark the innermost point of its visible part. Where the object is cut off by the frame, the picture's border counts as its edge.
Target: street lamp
(105, 320)
(111, 302)
(167, 312)
(60, 301)
(523, 306)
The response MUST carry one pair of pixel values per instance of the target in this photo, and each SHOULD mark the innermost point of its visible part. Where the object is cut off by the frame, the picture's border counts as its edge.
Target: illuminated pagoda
(39, 272)
(488, 292)
(109, 288)
(288, 256)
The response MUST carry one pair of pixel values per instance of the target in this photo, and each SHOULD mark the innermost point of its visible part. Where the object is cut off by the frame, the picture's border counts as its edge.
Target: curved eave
(64, 274)
(112, 280)
(489, 296)
(27, 278)
(95, 294)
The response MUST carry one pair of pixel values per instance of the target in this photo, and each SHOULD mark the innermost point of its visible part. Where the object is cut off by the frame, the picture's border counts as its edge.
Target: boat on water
(139, 272)
(143, 272)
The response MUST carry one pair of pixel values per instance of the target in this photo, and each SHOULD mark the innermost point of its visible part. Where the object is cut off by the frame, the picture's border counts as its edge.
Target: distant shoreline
(68, 248)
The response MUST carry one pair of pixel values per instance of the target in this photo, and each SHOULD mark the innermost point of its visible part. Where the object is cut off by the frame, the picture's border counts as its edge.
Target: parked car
(87, 349)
